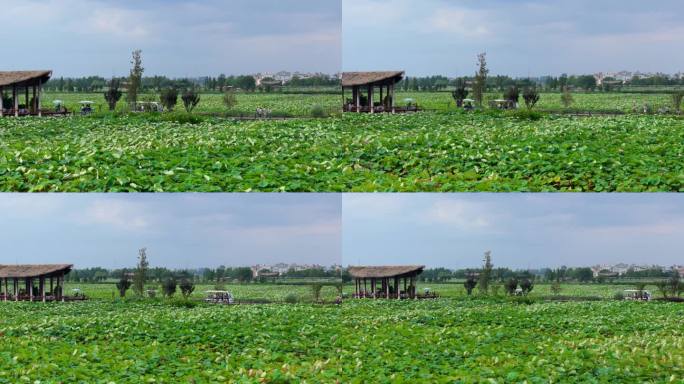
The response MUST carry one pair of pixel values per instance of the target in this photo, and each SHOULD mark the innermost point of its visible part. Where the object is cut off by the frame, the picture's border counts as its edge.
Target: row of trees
(208, 84)
(547, 83)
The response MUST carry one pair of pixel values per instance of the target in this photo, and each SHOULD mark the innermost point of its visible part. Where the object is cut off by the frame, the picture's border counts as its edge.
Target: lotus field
(433, 341)
(453, 151)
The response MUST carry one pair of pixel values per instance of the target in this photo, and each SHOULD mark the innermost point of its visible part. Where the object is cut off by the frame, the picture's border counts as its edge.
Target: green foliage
(123, 285)
(140, 275)
(556, 288)
(531, 97)
(187, 287)
(447, 152)
(469, 285)
(229, 100)
(135, 77)
(292, 298)
(526, 285)
(677, 101)
(511, 285)
(190, 100)
(168, 98)
(512, 94)
(316, 291)
(318, 111)
(486, 272)
(113, 94)
(450, 340)
(169, 287)
(460, 93)
(480, 85)
(566, 98)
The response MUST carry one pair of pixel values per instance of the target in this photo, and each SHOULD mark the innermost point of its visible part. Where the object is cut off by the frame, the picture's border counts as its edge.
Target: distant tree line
(548, 83)
(562, 274)
(202, 275)
(208, 84)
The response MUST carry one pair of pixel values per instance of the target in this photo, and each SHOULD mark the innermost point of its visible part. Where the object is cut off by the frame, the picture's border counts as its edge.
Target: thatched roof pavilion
(54, 273)
(26, 80)
(389, 278)
(369, 81)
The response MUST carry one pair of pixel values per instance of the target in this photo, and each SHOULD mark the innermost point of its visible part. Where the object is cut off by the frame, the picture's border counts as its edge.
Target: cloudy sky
(178, 38)
(179, 230)
(521, 37)
(521, 230)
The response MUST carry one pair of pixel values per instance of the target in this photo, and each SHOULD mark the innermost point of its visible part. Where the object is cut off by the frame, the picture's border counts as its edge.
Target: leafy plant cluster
(420, 152)
(442, 340)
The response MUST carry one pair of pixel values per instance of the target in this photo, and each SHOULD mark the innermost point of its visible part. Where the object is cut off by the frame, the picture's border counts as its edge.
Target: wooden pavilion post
(15, 100)
(370, 98)
(382, 101)
(16, 289)
(365, 289)
(33, 105)
(357, 96)
(42, 288)
(30, 281)
(2, 105)
(387, 288)
(61, 287)
(40, 95)
(391, 92)
(26, 92)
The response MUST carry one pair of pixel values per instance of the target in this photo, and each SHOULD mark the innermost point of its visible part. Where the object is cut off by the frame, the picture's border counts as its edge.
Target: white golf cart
(635, 294)
(148, 106)
(86, 107)
(468, 104)
(219, 297)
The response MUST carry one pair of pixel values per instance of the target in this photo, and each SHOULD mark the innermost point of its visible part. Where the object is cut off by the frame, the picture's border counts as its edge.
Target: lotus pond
(420, 152)
(445, 340)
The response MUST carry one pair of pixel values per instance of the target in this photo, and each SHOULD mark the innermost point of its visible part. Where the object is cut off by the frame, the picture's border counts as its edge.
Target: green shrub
(169, 98)
(182, 118)
(318, 111)
(182, 303)
(526, 114)
(291, 298)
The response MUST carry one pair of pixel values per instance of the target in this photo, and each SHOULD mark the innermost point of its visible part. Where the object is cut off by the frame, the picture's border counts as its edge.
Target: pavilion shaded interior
(387, 282)
(34, 282)
(363, 86)
(16, 83)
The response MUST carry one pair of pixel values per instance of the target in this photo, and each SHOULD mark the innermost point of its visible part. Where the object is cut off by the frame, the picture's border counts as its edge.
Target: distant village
(623, 269)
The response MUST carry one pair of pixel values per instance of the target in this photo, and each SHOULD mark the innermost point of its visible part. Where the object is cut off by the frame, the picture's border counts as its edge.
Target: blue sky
(521, 230)
(179, 230)
(178, 38)
(521, 37)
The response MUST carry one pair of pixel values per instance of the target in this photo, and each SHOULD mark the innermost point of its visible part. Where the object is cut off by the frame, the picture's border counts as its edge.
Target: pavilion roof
(385, 271)
(33, 270)
(19, 77)
(350, 79)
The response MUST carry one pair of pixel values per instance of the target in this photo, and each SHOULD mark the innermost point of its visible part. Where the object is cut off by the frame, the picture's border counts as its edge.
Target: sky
(178, 230)
(521, 37)
(523, 231)
(178, 38)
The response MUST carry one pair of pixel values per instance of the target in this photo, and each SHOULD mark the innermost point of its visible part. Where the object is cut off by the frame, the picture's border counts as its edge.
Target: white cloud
(117, 22)
(460, 22)
(119, 214)
(466, 215)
